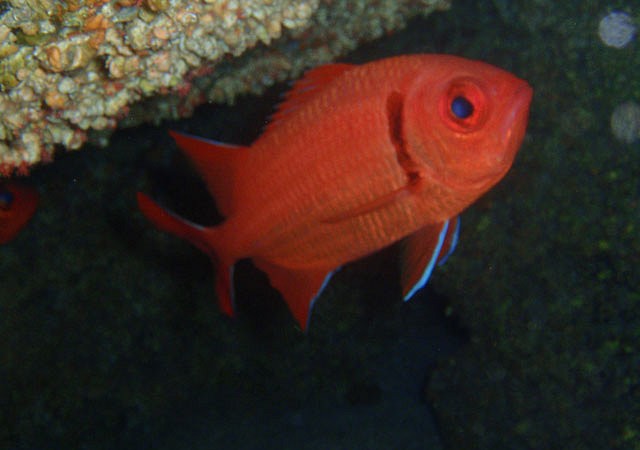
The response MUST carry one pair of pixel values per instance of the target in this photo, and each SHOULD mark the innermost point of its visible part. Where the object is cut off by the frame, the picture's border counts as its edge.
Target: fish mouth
(514, 123)
(522, 97)
(516, 119)
(511, 132)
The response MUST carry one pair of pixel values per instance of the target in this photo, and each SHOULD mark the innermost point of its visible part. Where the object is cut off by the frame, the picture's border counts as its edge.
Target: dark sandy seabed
(527, 338)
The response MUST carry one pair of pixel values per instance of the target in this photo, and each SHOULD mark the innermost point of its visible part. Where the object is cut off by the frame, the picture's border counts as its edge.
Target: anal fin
(299, 288)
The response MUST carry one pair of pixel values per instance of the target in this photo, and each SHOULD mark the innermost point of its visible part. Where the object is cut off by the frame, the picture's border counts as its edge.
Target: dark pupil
(461, 107)
(6, 198)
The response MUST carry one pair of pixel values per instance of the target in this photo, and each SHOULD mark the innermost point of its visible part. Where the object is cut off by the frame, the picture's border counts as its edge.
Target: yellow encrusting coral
(73, 70)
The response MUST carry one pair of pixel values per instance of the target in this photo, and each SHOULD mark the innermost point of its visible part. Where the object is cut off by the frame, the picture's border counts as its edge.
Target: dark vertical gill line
(395, 103)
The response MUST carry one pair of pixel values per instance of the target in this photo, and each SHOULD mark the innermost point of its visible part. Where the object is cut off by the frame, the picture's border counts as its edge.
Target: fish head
(17, 205)
(465, 121)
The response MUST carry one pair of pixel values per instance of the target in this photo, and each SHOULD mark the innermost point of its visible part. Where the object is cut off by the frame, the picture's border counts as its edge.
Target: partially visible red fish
(17, 205)
(355, 159)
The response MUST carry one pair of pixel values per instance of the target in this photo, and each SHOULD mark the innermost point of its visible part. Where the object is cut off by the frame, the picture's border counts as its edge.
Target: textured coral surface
(68, 68)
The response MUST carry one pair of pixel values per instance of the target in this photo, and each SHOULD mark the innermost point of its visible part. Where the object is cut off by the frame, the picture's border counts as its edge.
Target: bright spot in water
(625, 122)
(617, 29)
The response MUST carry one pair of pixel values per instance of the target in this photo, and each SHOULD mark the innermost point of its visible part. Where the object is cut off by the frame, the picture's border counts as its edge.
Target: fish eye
(464, 105)
(461, 107)
(6, 198)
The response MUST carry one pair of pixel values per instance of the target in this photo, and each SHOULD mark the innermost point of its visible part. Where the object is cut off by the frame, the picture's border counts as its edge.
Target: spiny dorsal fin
(305, 88)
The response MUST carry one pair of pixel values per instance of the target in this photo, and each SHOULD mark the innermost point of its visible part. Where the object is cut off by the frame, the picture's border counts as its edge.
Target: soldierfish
(17, 205)
(357, 157)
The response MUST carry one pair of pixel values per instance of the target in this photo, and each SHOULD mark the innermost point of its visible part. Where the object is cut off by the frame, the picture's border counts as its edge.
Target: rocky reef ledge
(72, 71)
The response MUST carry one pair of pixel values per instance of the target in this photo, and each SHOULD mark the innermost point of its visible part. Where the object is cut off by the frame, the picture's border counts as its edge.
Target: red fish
(17, 205)
(356, 158)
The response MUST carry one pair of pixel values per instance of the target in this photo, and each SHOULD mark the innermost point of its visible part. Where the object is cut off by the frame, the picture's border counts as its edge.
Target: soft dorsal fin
(216, 162)
(305, 88)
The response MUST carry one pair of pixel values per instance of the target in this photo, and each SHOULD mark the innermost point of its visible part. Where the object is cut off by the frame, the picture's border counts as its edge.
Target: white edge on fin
(315, 297)
(427, 271)
(454, 243)
(207, 140)
(232, 289)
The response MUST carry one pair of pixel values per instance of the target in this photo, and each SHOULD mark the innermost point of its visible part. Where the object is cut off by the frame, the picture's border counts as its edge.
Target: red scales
(356, 158)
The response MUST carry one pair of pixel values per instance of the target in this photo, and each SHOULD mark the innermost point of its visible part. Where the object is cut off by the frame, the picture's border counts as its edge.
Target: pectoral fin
(300, 288)
(422, 250)
(366, 208)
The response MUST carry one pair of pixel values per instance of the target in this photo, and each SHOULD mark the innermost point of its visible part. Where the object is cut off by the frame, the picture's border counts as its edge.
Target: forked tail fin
(206, 239)
(217, 163)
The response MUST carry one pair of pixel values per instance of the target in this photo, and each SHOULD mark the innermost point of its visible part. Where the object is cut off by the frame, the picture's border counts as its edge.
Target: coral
(69, 68)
